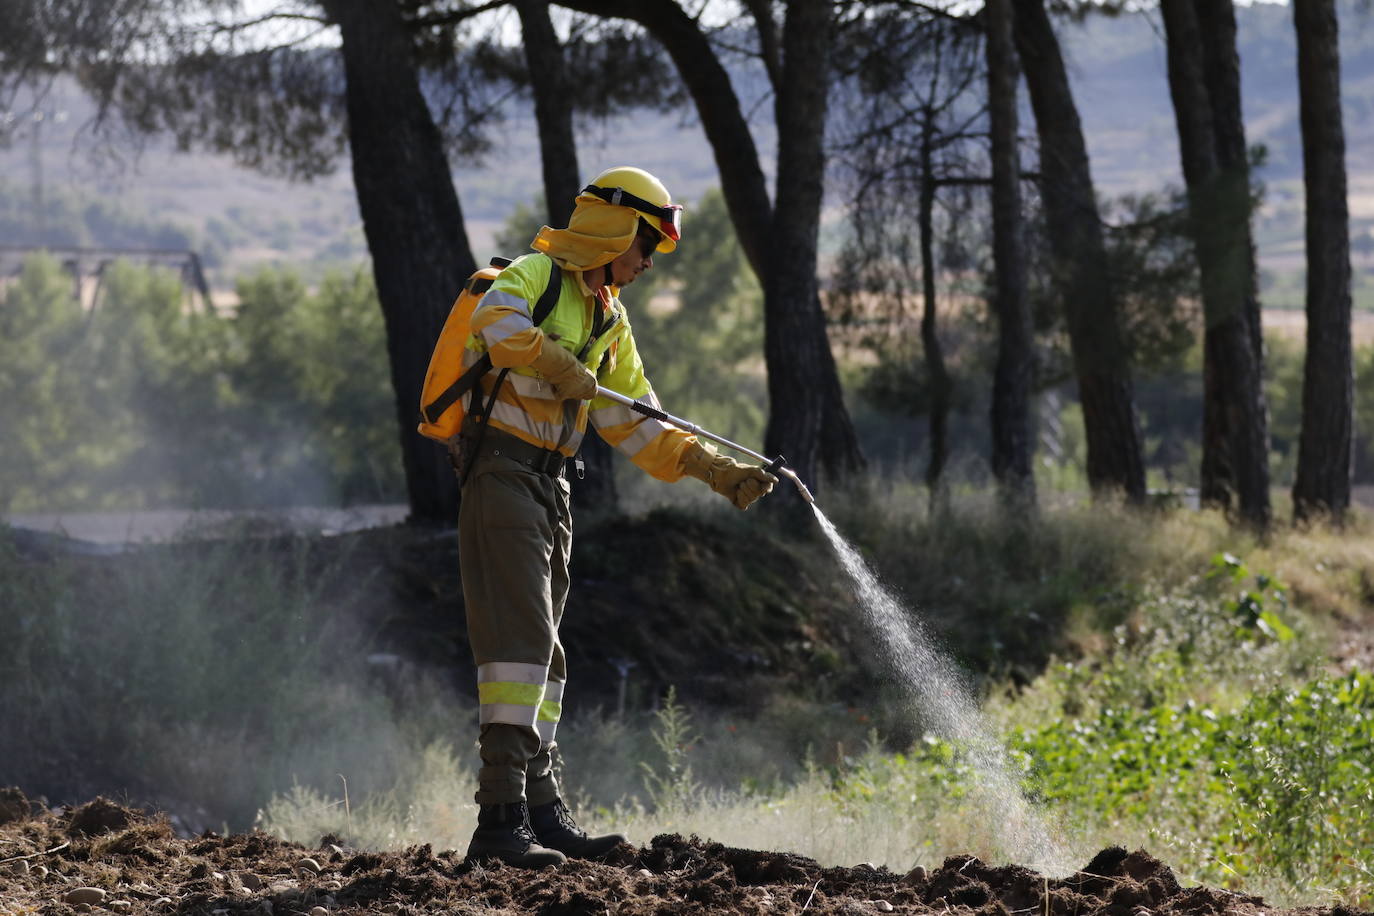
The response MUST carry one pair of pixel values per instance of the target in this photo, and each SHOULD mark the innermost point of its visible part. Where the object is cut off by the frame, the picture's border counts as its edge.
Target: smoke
(204, 677)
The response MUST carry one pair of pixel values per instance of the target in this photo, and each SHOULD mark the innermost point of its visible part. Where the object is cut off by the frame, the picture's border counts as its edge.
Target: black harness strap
(619, 197)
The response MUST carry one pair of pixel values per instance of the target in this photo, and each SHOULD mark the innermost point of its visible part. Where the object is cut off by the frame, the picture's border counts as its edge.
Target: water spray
(931, 681)
(775, 466)
(934, 686)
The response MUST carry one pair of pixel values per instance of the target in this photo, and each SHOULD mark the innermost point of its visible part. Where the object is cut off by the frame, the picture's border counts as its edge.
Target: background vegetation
(142, 402)
(1213, 708)
(1159, 677)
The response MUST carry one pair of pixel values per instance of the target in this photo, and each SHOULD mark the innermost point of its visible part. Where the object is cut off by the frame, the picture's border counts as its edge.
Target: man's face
(638, 258)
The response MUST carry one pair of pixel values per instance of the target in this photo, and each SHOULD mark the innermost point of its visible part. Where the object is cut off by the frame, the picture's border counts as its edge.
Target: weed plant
(1213, 719)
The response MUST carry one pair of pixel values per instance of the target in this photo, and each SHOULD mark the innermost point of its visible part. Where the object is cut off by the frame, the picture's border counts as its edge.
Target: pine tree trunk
(412, 221)
(1101, 363)
(1012, 446)
(930, 339)
(1249, 413)
(558, 152)
(795, 343)
(1325, 448)
(1204, 81)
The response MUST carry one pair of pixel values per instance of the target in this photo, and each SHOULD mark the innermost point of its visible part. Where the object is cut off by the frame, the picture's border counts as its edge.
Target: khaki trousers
(514, 542)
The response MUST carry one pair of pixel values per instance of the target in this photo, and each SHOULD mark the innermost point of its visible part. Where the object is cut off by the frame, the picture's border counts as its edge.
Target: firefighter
(515, 527)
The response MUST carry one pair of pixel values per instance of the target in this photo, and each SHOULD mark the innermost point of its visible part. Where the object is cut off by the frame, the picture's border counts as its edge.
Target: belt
(498, 443)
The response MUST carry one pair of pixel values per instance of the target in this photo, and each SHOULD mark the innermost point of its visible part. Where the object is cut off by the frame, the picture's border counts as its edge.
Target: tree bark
(1078, 253)
(1326, 445)
(930, 339)
(801, 370)
(558, 153)
(412, 221)
(1011, 423)
(1204, 81)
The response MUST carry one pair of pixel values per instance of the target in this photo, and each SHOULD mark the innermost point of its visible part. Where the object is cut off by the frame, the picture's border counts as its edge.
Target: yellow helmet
(627, 186)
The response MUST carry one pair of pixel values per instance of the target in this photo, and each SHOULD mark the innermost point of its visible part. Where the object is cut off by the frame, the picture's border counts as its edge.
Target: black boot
(503, 832)
(554, 828)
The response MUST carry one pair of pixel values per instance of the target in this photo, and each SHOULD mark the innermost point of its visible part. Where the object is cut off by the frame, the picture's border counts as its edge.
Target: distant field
(1293, 323)
(240, 220)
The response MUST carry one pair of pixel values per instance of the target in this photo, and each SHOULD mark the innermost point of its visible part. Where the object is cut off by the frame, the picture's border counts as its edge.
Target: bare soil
(102, 857)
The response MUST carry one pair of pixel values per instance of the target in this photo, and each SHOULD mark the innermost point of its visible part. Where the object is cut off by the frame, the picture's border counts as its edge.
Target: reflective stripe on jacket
(526, 408)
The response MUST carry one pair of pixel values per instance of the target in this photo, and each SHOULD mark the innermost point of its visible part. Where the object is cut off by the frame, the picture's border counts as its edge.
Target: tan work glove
(570, 379)
(739, 483)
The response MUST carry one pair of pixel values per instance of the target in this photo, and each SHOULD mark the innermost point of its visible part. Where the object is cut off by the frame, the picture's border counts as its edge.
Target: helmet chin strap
(606, 278)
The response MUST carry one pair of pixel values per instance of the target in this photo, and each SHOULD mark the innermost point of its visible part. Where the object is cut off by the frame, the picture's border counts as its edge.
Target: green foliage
(1179, 716)
(1248, 608)
(1151, 262)
(1301, 773)
(1284, 358)
(320, 426)
(44, 409)
(878, 304)
(1193, 715)
(1281, 784)
(1364, 413)
(142, 402)
(1283, 370)
(72, 219)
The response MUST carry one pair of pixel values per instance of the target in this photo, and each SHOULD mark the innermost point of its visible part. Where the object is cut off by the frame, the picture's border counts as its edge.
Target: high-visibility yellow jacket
(526, 408)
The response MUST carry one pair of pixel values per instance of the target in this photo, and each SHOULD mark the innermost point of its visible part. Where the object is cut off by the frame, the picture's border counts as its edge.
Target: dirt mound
(56, 864)
(99, 816)
(14, 806)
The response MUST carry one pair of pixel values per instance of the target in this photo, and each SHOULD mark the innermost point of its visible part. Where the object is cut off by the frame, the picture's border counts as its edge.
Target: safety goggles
(648, 240)
(669, 217)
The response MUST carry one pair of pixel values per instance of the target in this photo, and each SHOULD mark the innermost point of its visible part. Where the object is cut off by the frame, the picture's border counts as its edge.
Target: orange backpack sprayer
(446, 381)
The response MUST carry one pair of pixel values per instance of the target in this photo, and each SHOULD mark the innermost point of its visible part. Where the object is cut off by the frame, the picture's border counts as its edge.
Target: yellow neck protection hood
(596, 235)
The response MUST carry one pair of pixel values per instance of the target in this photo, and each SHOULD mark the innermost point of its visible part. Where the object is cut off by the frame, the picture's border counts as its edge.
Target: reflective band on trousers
(511, 692)
(550, 711)
(506, 692)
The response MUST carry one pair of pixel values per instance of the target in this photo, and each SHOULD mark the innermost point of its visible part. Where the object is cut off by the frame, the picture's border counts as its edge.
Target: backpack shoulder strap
(550, 296)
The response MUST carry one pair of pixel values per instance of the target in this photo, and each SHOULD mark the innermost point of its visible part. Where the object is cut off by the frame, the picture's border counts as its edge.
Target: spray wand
(771, 465)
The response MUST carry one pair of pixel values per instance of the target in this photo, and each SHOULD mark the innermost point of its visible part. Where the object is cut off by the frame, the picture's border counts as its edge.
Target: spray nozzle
(778, 467)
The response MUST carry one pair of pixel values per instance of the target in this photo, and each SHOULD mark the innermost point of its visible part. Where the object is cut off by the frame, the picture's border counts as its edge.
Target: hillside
(240, 219)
